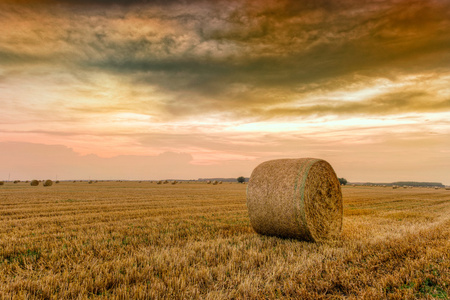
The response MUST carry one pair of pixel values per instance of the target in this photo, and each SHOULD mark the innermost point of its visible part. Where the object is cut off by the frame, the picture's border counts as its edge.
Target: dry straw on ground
(34, 182)
(295, 198)
(48, 182)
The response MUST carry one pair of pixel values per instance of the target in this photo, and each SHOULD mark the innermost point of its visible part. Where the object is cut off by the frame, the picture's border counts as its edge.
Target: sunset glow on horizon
(188, 89)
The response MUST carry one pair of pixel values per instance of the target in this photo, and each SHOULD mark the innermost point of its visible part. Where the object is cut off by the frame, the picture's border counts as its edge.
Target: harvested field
(140, 240)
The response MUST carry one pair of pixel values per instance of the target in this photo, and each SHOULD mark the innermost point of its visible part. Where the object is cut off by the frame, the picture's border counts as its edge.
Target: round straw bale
(295, 198)
(34, 182)
(2, 183)
(165, 182)
(174, 182)
(215, 182)
(208, 181)
(48, 182)
(159, 182)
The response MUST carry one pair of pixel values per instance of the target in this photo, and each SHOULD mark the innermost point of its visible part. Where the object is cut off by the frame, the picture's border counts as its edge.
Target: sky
(177, 89)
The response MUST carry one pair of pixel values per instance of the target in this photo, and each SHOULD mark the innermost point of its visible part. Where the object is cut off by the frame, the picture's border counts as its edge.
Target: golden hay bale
(174, 182)
(295, 198)
(220, 182)
(215, 182)
(2, 183)
(48, 182)
(165, 182)
(159, 182)
(394, 187)
(34, 182)
(208, 181)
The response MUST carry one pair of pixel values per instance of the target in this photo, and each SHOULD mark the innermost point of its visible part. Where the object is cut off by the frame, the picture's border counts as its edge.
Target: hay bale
(295, 198)
(2, 183)
(159, 182)
(208, 181)
(174, 182)
(34, 182)
(165, 182)
(48, 182)
(215, 182)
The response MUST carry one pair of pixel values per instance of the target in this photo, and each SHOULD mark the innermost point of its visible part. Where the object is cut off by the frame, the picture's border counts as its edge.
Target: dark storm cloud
(287, 45)
(215, 55)
(391, 103)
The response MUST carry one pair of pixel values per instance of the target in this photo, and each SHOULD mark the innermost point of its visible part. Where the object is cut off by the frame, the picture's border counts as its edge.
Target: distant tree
(342, 181)
(241, 179)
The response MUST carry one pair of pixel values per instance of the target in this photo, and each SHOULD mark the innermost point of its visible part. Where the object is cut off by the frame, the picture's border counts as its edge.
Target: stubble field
(122, 240)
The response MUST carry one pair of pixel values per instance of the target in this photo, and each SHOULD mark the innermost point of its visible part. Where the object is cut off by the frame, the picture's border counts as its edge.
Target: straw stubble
(295, 198)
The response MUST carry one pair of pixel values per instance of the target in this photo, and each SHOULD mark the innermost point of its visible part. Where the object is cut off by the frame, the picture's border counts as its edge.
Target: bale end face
(295, 198)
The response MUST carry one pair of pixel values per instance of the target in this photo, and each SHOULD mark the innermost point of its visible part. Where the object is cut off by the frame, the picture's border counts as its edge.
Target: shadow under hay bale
(295, 198)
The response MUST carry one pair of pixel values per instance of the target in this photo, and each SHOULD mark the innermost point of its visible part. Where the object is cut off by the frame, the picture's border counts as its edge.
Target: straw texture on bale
(2, 183)
(34, 182)
(295, 198)
(48, 182)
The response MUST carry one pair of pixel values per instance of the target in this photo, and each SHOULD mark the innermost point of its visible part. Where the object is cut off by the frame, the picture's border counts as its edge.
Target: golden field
(123, 240)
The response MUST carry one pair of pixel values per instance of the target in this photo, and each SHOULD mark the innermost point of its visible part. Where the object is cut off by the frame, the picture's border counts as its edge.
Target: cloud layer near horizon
(206, 78)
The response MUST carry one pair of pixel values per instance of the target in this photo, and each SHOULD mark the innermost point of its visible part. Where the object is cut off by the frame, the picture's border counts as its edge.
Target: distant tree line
(413, 183)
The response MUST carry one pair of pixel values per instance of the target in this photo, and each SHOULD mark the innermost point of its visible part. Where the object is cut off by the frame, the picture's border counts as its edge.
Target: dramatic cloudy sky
(185, 89)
